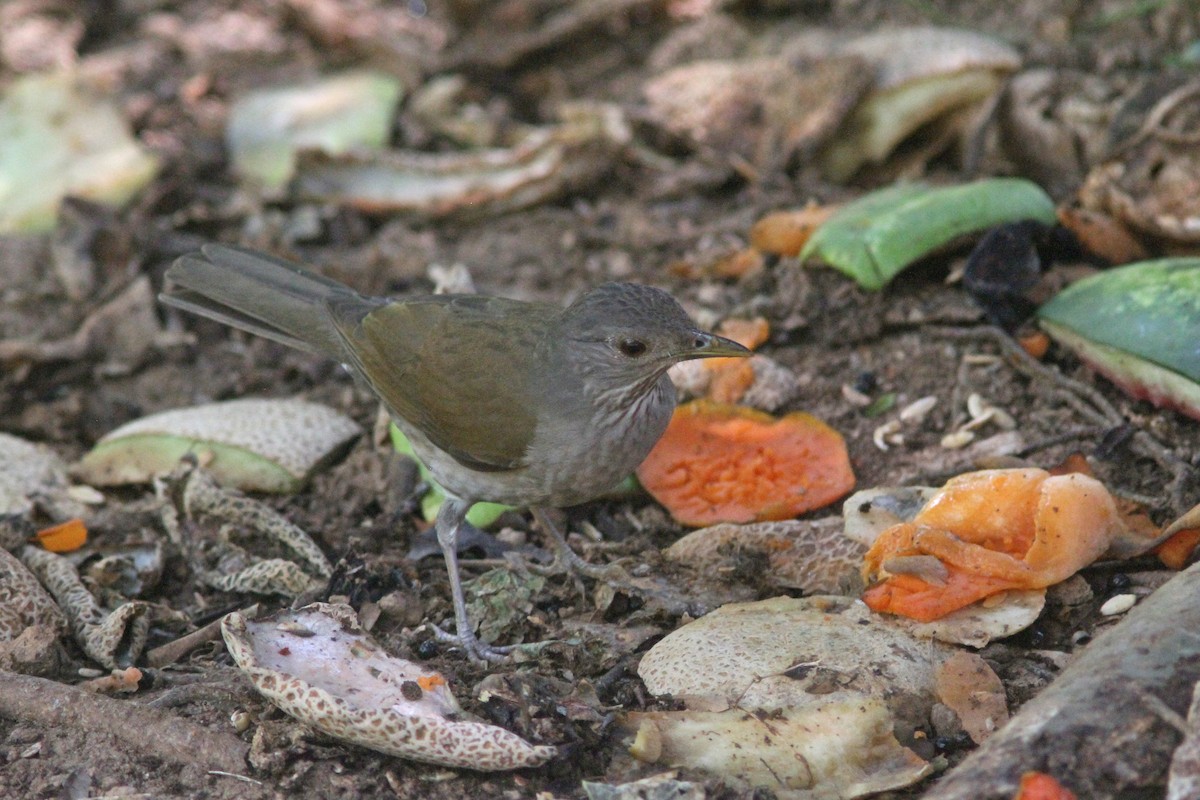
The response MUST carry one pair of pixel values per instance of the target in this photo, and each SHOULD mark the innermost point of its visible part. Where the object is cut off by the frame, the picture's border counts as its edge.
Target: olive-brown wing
(459, 368)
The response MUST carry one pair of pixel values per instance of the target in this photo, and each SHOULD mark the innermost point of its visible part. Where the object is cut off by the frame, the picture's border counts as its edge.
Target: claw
(476, 651)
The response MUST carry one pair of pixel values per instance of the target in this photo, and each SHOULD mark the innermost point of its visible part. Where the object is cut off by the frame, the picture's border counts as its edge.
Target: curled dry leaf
(1052, 125)
(256, 445)
(722, 463)
(318, 665)
(1150, 183)
(992, 531)
(967, 685)
(926, 78)
(545, 164)
(111, 638)
(121, 332)
(278, 557)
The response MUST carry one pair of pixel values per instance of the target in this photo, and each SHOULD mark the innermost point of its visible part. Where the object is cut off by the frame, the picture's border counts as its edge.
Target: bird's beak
(709, 345)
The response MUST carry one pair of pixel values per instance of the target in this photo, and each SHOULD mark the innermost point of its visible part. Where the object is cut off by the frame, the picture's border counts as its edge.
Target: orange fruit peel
(992, 530)
(66, 537)
(1040, 786)
(724, 463)
(785, 233)
(730, 378)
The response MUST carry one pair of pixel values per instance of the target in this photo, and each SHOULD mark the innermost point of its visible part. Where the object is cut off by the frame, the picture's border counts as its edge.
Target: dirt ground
(173, 73)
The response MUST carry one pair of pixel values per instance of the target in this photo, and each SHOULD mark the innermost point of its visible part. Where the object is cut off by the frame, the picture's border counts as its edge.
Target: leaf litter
(83, 364)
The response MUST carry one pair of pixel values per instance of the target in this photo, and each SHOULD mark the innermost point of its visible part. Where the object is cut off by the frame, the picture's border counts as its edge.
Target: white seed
(917, 410)
(1118, 604)
(976, 405)
(1004, 421)
(980, 359)
(82, 493)
(958, 439)
(887, 434)
(853, 396)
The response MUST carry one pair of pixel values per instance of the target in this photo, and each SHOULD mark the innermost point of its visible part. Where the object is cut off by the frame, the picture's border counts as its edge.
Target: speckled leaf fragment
(254, 445)
(112, 638)
(877, 236)
(318, 665)
(1139, 326)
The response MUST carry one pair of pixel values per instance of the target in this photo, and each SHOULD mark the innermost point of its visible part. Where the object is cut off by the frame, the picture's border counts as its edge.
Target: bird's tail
(263, 295)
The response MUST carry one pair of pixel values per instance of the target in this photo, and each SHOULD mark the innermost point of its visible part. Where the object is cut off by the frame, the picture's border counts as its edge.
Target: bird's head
(625, 336)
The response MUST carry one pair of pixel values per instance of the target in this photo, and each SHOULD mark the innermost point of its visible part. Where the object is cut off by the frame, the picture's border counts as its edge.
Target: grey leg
(451, 516)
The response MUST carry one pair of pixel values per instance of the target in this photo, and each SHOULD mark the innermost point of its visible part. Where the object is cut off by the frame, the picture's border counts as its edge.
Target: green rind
(1150, 310)
(1143, 379)
(872, 239)
(141, 457)
(481, 514)
(320, 116)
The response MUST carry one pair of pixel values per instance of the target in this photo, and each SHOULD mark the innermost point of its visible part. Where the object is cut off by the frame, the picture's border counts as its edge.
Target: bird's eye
(632, 347)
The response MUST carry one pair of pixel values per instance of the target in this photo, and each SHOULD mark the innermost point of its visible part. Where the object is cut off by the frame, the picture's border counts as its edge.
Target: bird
(523, 403)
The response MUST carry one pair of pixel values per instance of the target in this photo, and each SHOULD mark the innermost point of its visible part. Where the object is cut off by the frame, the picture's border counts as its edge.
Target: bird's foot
(567, 562)
(476, 650)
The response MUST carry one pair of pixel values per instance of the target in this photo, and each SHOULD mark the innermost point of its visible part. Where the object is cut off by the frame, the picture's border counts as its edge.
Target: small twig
(176, 649)
(1059, 438)
(1153, 124)
(235, 776)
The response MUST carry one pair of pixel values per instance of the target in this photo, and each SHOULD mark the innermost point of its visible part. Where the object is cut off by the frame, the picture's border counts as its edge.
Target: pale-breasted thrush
(507, 401)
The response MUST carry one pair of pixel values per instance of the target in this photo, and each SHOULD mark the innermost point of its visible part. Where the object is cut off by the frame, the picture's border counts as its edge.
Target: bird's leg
(566, 560)
(450, 517)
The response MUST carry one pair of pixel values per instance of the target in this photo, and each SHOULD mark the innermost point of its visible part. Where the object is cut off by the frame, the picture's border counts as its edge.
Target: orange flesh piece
(731, 377)
(1040, 786)
(1174, 552)
(722, 463)
(912, 597)
(1035, 344)
(785, 232)
(65, 537)
(994, 530)
(430, 682)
